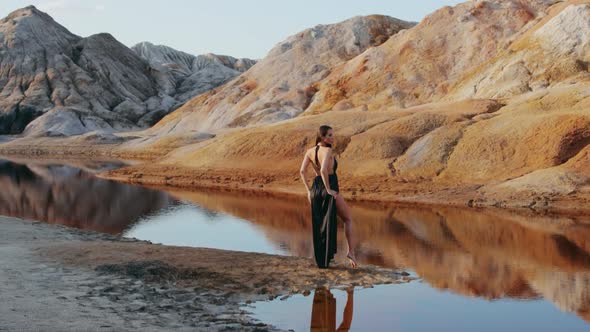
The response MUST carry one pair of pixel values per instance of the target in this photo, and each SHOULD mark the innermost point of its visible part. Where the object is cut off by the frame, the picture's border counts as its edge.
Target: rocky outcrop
(280, 86)
(365, 63)
(69, 85)
(551, 51)
(420, 65)
(184, 75)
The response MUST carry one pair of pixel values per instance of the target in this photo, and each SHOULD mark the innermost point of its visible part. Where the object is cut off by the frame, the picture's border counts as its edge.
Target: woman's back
(322, 152)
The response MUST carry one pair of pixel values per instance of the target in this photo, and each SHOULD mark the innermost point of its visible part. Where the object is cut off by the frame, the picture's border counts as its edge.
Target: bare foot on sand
(352, 260)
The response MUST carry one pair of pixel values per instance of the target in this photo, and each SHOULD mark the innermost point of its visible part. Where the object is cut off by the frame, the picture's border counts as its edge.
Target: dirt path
(59, 279)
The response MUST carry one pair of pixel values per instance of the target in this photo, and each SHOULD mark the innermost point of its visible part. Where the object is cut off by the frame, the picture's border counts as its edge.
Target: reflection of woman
(323, 312)
(325, 200)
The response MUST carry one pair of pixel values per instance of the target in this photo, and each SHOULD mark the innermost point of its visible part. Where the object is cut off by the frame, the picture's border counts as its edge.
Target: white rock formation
(280, 86)
(568, 32)
(553, 50)
(74, 85)
(184, 75)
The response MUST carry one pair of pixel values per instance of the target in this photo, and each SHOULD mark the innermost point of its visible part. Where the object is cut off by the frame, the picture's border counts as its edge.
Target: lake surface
(477, 270)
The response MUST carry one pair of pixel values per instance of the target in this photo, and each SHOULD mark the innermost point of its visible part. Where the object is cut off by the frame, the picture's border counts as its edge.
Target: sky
(237, 28)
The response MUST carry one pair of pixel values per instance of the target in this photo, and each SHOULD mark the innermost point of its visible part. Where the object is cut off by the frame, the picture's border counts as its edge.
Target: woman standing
(325, 201)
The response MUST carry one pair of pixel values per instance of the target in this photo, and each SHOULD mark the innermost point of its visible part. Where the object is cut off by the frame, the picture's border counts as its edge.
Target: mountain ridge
(55, 83)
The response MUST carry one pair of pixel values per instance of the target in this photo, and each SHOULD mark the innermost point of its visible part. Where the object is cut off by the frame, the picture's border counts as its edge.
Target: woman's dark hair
(322, 132)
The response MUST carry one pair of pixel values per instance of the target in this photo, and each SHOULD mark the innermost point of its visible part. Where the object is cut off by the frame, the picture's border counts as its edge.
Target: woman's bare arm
(302, 171)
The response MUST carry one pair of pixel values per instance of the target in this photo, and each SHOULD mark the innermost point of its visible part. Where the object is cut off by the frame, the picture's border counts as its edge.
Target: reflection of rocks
(490, 254)
(284, 220)
(569, 291)
(65, 195)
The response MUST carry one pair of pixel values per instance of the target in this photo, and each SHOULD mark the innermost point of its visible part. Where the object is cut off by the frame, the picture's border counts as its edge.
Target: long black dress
(323, 215)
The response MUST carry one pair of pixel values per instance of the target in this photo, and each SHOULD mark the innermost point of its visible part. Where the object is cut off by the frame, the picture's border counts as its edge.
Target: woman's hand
(309, 196)
(332, 192)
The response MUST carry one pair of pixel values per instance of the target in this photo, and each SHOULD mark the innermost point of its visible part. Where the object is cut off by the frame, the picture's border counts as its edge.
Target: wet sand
(64, 279)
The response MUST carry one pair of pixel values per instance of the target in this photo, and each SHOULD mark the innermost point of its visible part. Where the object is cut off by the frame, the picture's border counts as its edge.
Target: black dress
(323, 216)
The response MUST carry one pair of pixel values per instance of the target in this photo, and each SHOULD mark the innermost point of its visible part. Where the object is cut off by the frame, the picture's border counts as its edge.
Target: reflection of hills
(569, 291)
(283, 220)
(489, 254)
(68, 196)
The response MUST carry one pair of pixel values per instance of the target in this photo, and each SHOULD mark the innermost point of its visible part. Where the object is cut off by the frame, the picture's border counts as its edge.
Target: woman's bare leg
(344, 213)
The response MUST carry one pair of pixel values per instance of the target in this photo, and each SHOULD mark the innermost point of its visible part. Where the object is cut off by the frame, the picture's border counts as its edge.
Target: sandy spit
(62, 279)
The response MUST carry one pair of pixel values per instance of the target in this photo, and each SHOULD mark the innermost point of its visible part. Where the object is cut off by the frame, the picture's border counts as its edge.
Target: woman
(325, 199)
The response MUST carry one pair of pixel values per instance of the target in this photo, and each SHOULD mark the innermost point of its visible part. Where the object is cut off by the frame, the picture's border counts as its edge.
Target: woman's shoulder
(322, 150)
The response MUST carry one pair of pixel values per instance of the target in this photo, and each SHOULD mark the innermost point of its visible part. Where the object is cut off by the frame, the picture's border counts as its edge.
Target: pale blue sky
(236, 28)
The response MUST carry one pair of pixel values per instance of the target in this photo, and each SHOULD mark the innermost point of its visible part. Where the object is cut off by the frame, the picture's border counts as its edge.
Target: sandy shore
(62, 279)
(148, 170)
(362, 189)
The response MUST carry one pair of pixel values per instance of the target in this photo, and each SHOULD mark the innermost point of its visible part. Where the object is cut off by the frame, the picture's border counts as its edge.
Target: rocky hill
(486, 100)
(483, 103)
(67, 85)
(421, 64)
(185, 75)
(415, 66)
(280, 86)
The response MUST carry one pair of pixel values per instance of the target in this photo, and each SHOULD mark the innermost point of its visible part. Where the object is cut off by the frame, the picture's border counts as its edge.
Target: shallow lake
(482, 270)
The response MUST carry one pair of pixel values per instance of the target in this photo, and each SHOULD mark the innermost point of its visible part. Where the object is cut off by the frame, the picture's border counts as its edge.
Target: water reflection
(190, 225)
(418, 307)
(323, 312)
(70, 196)
(491, 254)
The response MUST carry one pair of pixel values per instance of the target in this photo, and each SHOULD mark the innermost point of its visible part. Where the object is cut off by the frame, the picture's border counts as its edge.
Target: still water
(477, 270)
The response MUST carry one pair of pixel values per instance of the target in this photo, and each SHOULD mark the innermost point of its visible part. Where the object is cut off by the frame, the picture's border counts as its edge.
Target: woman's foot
(352, 260)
